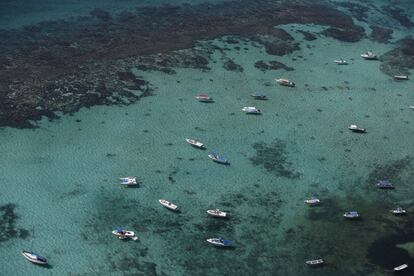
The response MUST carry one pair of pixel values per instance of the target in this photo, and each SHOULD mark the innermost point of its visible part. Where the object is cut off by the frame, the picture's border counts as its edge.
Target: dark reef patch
(271, 65)
(399, 15)
(230, 65)
(273, 158)
(391, 171)
(400, 59)
(358, 11)
(85, 61)
(307, 35)
(8, 221)
(380, 34)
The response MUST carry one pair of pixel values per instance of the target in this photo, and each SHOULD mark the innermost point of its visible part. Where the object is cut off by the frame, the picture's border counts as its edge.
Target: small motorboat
(385, 184)
(34, 257)
(259, 96)
(285, 82)
(312, 201)
(369, 55)
(204, 98)
(411, 107)
(315, 262)
(341, 62)
(357, 129)
(401, 77)
(195, 143)
(124, 234)
(128, 181)
(351, 215)
(168, 205)
(219, 159)
(399, 211)
(220, 242)
(400, 267)
(217, 213)
(251, 110)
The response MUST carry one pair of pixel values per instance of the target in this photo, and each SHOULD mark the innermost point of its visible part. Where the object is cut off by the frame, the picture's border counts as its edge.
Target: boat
(400, 267)
(312, 201)
(385, 184)
(34, 257)
(351, 215)
(399, 211)
(195, 143)
(285, 82)
(357, 129)
(341, 62)
(217, 213)
(251, 110)
(369, 55)
(401, 77)
(219, 159)
(128, 181)
(204, 98)
(411, 107)
(259, 96)
(315, 262)
(220, 242)
(168, 204)
(123, 234)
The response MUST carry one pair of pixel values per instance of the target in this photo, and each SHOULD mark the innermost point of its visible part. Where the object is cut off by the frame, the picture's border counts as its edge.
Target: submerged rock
(271, 65)
(399, 60)
(380, 34)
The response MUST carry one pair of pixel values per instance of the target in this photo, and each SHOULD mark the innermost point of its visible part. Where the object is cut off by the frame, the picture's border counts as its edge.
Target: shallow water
(63, 175)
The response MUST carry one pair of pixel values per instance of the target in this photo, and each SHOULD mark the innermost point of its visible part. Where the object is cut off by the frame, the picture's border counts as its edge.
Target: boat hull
(34, 258)
(128, 234)
(168, 205)
(219, 214)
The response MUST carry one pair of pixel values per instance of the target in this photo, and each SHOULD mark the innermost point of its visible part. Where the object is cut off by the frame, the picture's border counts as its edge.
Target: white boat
(128, 181)
(399, 211)
(351, 215)
(401, 77)
(220, 242)
(411, 107)
(195, 143)
(217, 213)
(356, 128)
(123, 234)
(369, 55)
(168, 204)
(315, 262)
(204, 98)
(219, 159)
(251, 110)
(285, 82)
(34, 258)
(400, 267)
(312, 201)
(341, 62)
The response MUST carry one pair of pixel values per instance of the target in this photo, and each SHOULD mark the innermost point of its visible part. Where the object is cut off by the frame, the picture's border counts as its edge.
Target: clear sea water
(63, 175)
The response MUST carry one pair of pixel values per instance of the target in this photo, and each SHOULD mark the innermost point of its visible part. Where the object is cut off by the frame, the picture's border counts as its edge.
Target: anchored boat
(259, 96)
(357, 129)
(124, 234)
(168, 205)
(195, 143)
(316, 262)
(220, 242)
(217, 213)
(341, 62)
(312, 201)
(285, 82)
(204, 98)
(34, 257)
(401, 77)
(251, 110)
(369, 55)
(401, 267)
(128, 181)
(385, 184)
(219, 159)
(351, 215)
(399, 211)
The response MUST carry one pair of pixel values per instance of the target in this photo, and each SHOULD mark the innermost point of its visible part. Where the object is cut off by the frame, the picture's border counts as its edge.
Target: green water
(63, 175)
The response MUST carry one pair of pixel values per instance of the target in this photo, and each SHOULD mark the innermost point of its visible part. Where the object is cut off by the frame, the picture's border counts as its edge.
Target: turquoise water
(63, 175)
